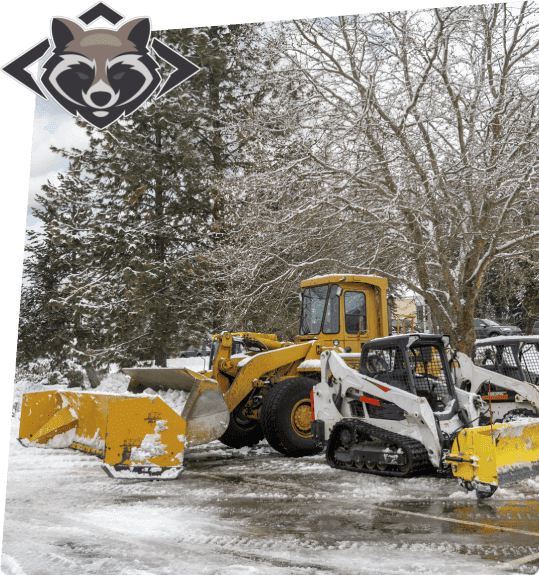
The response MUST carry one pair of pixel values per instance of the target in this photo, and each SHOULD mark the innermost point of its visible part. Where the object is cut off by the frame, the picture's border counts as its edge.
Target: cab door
(355, 319)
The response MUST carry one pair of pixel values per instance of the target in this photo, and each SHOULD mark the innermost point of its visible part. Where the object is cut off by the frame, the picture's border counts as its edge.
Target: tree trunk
(93, 377)
(160, 359)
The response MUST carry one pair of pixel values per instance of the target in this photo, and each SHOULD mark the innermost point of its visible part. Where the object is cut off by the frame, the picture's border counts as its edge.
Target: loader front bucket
(136, 436)
(487, 457)
(205, 412)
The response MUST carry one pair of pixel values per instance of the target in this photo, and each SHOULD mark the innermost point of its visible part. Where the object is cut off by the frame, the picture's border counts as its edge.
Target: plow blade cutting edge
(137, 437)
(487, 457)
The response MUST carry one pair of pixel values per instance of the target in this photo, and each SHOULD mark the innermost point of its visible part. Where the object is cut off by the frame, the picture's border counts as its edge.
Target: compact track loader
(256, 387)
(516, 357)
(405, 412)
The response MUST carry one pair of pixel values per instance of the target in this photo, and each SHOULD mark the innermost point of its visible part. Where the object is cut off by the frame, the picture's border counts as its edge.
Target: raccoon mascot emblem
(101, 74)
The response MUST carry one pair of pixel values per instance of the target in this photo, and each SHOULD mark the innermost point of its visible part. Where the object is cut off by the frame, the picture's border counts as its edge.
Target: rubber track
(414, 449)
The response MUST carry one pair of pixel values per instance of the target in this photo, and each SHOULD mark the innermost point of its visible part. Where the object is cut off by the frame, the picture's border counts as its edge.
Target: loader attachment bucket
(487, 457)
(136, 436)
(205, 412)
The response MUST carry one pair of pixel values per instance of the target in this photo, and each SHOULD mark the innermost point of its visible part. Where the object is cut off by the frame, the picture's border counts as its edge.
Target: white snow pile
(150, 446)
(174, 398)
(115, 382)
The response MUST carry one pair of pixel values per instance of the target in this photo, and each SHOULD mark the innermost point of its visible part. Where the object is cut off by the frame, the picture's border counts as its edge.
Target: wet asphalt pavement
(252, 511)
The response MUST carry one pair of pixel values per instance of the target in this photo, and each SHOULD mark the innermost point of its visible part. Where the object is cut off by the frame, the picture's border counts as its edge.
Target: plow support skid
(205, 413)
(497, 455)
(136, 436)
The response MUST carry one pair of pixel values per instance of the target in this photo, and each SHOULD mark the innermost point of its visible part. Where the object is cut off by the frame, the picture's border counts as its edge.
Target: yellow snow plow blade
(205, 412)
(487, 457)
(138, 437)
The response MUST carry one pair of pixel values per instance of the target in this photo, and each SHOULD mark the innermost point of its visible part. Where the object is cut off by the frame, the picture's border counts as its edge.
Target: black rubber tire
(276, 417)
(241, 432)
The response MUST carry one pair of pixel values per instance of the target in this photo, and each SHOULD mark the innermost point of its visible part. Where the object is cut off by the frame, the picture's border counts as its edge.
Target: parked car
(192, 351)
(488, 328)
(535, 328)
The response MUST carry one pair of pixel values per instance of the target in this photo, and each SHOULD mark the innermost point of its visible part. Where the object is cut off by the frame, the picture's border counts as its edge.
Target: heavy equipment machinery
(256, 387)
(516, 356)
(407, 410)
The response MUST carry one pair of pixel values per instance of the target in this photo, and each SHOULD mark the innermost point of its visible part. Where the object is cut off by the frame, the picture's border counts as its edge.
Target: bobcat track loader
(256, 387)
(515, 357)
(404, 413)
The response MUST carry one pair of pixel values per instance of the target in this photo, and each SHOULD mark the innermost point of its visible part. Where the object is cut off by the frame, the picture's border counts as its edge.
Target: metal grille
(356, 408)
(430, 378)
(387, 365)
(498, 358)
(529, 359)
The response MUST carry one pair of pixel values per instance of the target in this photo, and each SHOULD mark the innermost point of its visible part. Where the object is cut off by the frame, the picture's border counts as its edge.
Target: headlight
(336, 342)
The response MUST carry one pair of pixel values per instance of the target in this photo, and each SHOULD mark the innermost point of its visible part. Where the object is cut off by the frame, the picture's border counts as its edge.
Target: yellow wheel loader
(408, 410)
(256, 387)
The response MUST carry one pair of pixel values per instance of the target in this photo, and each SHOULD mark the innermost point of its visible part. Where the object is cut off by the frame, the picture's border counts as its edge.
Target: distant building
(416, 307)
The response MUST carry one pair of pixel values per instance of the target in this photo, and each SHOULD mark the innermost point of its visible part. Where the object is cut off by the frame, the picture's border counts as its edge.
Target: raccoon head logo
(101, 74)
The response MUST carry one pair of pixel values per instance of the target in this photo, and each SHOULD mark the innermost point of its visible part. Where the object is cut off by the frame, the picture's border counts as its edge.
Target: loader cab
(417, 364)
(343, 311)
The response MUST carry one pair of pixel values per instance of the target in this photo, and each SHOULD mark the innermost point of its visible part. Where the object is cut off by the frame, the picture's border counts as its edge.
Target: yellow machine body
(496, 455)
(235, 381)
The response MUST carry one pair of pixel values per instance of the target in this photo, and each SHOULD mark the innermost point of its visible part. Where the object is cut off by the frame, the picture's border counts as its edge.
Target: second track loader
(404, 412)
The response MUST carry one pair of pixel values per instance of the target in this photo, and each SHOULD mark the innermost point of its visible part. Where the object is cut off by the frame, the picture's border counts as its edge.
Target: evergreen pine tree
(142, 201)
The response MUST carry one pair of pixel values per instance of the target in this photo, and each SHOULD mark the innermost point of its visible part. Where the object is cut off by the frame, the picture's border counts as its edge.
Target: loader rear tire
(286, 417)
(241, 431)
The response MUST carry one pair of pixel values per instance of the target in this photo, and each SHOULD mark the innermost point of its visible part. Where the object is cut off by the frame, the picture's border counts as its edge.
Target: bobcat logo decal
(101, 74)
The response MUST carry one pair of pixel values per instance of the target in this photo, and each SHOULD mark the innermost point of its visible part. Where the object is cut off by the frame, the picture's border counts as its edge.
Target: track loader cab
(417, 364)
(513, 356)
(343, 311)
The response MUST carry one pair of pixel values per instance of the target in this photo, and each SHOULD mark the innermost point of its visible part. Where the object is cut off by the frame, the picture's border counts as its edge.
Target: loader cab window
(355, 312)
(387, 365)
(332, 322)
(313, 303)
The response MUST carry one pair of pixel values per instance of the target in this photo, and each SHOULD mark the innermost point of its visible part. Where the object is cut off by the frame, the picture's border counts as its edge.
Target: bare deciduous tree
(411, 153)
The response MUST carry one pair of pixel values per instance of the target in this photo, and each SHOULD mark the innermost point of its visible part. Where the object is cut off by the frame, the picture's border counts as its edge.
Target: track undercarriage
(358, 446)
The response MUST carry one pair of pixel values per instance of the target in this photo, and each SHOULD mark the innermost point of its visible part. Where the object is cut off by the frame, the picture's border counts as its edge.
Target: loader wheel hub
(301, 418)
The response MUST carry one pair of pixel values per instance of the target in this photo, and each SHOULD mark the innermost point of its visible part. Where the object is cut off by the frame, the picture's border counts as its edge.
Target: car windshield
(490, 322)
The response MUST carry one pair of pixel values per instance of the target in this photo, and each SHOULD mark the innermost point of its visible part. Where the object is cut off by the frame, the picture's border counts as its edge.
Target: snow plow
(256, 386)
(407, 411)
(136, 436)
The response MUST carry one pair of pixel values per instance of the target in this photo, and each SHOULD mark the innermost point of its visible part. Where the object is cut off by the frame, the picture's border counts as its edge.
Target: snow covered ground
(252, 512)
